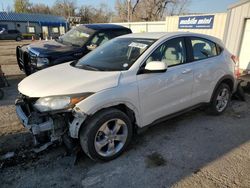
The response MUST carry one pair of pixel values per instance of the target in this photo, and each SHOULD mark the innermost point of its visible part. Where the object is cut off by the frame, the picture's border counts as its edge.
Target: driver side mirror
(156, 67)
(91, 47)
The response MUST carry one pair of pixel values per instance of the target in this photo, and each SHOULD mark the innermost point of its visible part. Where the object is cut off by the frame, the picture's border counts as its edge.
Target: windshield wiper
(89, 67)
(75, 45)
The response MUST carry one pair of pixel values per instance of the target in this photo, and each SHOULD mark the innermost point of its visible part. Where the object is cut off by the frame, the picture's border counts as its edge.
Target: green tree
(22, 6)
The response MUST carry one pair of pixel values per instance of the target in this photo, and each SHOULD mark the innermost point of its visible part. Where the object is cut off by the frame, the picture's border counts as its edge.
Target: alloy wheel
(111, 137)
(222, 99)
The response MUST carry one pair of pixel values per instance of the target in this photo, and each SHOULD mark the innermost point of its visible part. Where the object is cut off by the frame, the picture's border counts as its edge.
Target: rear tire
(106, 135)
(220, 99)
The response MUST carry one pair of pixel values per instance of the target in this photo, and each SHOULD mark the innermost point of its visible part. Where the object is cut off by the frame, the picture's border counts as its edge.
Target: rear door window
(172, 52)
(203, 49)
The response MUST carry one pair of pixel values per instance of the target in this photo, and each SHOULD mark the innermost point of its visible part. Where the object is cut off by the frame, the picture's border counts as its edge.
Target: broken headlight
(46, 104)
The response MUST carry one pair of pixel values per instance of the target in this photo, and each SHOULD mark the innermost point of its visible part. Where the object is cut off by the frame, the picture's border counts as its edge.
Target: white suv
(130, 82)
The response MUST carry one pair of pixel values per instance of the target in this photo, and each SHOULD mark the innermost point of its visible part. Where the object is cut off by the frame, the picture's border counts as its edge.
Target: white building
(237, 32)
(233, 27)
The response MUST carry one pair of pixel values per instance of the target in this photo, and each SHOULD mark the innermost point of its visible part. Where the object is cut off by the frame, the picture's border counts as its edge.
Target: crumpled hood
(45, 48)
(64, 79)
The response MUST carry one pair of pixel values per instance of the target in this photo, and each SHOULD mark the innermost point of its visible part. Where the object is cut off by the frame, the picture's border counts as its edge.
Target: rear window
(117, 33)
(203, 49)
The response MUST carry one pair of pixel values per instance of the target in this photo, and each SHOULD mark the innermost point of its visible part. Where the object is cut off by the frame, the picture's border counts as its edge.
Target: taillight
(236, 67)
(235, 59)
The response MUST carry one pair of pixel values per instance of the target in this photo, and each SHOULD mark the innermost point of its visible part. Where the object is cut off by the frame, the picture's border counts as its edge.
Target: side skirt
(165, 118)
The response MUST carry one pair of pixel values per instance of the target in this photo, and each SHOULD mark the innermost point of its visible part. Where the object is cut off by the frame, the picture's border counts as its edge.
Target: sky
(196, 6)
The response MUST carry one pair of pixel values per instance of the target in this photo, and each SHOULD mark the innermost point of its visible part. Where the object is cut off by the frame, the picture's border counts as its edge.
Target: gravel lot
(192, 150)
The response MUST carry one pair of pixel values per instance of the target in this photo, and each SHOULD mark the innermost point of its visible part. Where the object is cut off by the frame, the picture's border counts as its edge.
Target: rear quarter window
(203, 48)
(219, 49)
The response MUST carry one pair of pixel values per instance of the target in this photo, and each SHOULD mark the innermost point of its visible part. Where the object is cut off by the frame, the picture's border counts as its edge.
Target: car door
(165, 93)
(205, 62)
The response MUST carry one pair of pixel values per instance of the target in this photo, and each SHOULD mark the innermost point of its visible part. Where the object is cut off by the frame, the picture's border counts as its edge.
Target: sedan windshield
(77, 36)
(116, 55)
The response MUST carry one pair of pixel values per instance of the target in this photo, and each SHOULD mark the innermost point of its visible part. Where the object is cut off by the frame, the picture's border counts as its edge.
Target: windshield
(77, 36)
(115, 55)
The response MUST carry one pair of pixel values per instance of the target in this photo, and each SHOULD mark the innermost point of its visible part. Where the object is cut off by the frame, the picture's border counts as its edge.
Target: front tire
(220, 99)
(106, 135)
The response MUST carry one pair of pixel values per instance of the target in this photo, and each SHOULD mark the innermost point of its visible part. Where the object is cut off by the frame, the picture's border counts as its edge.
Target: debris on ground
(42, 148)
(7, 156)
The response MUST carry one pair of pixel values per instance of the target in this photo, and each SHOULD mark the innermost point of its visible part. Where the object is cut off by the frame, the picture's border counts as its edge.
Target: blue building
(34, 24)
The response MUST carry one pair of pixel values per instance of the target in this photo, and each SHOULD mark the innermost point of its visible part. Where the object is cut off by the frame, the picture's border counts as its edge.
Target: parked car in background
(10, 35)
(71, 46)
(124, 85)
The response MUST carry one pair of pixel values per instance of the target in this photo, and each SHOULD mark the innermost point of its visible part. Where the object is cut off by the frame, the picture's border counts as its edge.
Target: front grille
(20, 57)
(23, 58)
(26, 104)
(20, 54)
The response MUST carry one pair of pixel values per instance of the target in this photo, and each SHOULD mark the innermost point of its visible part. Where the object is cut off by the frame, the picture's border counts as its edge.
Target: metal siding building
(171, 25)
(138, 27)
(35, 24)
(237, 34)
(217, 30)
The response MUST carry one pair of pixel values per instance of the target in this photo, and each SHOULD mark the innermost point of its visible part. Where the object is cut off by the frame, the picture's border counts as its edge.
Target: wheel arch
(126, 107)
(228, 79)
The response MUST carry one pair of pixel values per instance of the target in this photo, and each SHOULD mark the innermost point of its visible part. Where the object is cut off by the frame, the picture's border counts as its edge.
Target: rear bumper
(245, 78)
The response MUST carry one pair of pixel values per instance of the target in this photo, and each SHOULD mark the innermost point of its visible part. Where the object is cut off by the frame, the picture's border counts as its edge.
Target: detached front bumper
(35, 128)
(54, 124)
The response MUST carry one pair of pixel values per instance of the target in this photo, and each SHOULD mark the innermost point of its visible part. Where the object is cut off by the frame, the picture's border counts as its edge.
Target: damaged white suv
(129, 83)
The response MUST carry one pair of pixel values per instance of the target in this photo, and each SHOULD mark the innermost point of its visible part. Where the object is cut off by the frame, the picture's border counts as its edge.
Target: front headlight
(46, 104)
(42, 62)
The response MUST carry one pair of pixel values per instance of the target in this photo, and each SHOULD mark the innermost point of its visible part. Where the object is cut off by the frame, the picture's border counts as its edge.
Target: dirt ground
(192, 150)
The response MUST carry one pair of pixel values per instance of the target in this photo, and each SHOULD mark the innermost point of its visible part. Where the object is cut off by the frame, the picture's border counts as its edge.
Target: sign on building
(196, 22)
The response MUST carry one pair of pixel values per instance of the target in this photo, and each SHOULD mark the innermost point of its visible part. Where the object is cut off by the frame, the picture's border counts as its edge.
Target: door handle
(186, 71)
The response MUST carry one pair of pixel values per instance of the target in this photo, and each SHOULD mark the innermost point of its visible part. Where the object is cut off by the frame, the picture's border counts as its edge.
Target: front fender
(112, 97)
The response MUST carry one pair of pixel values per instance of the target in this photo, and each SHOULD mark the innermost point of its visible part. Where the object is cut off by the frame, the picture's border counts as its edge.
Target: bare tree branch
(150, 10)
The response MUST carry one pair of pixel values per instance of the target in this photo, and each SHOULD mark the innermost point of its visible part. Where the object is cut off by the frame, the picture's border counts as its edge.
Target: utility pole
(2, 7)
(128, 2)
